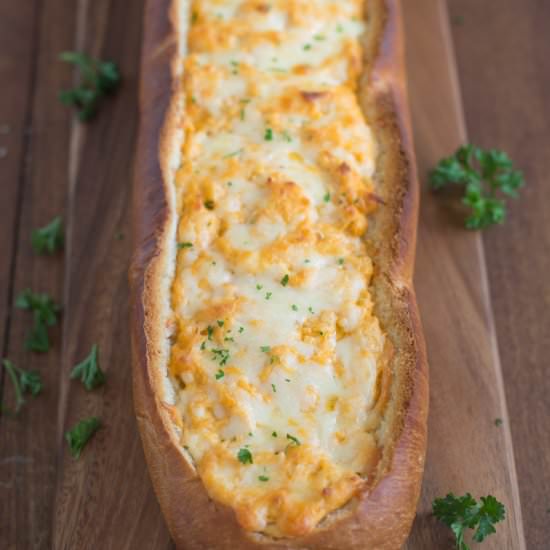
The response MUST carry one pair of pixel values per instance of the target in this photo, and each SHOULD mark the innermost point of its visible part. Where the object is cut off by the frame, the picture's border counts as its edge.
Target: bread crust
(381, 517)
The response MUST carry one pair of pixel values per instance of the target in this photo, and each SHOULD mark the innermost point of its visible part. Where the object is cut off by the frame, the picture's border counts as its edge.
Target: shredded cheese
(277, 357)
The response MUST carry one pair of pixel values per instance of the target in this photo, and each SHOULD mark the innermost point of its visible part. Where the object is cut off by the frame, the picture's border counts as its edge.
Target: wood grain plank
(28, 443)
(105, 499)
(466, 451)
(17, 71)
(503, 54)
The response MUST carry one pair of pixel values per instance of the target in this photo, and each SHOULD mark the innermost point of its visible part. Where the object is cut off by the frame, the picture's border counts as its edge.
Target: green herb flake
(326, 197)
(274, 388)
(268, 295)
(498, 422)
(265, 349)
(310, 309)
(48, 239)
(23, 382)
(79, 435)
(294, 440)
(220, 323)
(241, 330)
(185, 245)
(245, 456)
(259, 287)
(210, 331)
(268, 136)
(263, 478)
(220, 374)
(98, 79)
(340, 261)
(294, 307)
(284, 280)
(233, 154)
(45, 312)
(209, 204)
(89, 371)
(220, 354)
(307, 47)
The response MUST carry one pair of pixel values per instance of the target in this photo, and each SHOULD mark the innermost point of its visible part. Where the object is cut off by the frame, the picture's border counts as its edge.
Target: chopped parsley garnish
(23, 382)
(294, 307)
(263, 478)
(80, 434)
(45, 312)
(498, 422)
(209, 205)
(461, 513)
(203, 346)
(233, 154)
(310, 309)
(268, 295)
(274, 388)
(89, 371)
(245, 456)
(265, 349)
(339, 28)
(326, 198)
(307, 47)
(284, 280)
(229, 339)
(48, 239)
(220, 374)
(185, 245)
(286, 136)
(259, 287)
(221, 355)
(319, 37)
(268, 136)
(294, 440)
(241, 330)
(194, 17)
(210, 331)
(97, 80)
(482, 174)
(287, 379)
(273, 434)
(340, 261)
(307, 261)
(220, 323)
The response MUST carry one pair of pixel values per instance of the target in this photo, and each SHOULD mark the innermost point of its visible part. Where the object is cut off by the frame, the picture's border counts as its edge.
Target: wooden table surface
(50, 164)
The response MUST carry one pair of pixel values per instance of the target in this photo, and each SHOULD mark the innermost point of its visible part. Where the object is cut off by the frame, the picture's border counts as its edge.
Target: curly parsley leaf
(89, 371)
(23, 382)
(79, 435)
(461, 513)
(97, 80)
(487, 177)
(45, 312)
(48, 239)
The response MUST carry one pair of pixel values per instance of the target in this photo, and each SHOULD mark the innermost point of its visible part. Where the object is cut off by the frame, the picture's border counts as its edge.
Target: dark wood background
(49, 164)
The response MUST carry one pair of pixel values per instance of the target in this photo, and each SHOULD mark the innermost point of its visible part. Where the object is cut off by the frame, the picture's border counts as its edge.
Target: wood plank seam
(23, 168)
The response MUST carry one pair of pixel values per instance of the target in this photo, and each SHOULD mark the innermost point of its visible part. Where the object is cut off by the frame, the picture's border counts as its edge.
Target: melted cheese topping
(277, 359)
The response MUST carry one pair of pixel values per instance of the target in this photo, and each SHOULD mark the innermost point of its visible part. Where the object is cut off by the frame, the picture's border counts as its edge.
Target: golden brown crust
(381, 518)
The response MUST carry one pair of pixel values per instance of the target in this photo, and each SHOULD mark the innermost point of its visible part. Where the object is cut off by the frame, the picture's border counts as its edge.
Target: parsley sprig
(97, 80)
(486, 175)
(48, 239)
(45, 312)
(89, 371)
(461, 513)
(23, 382)
(79, 435)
